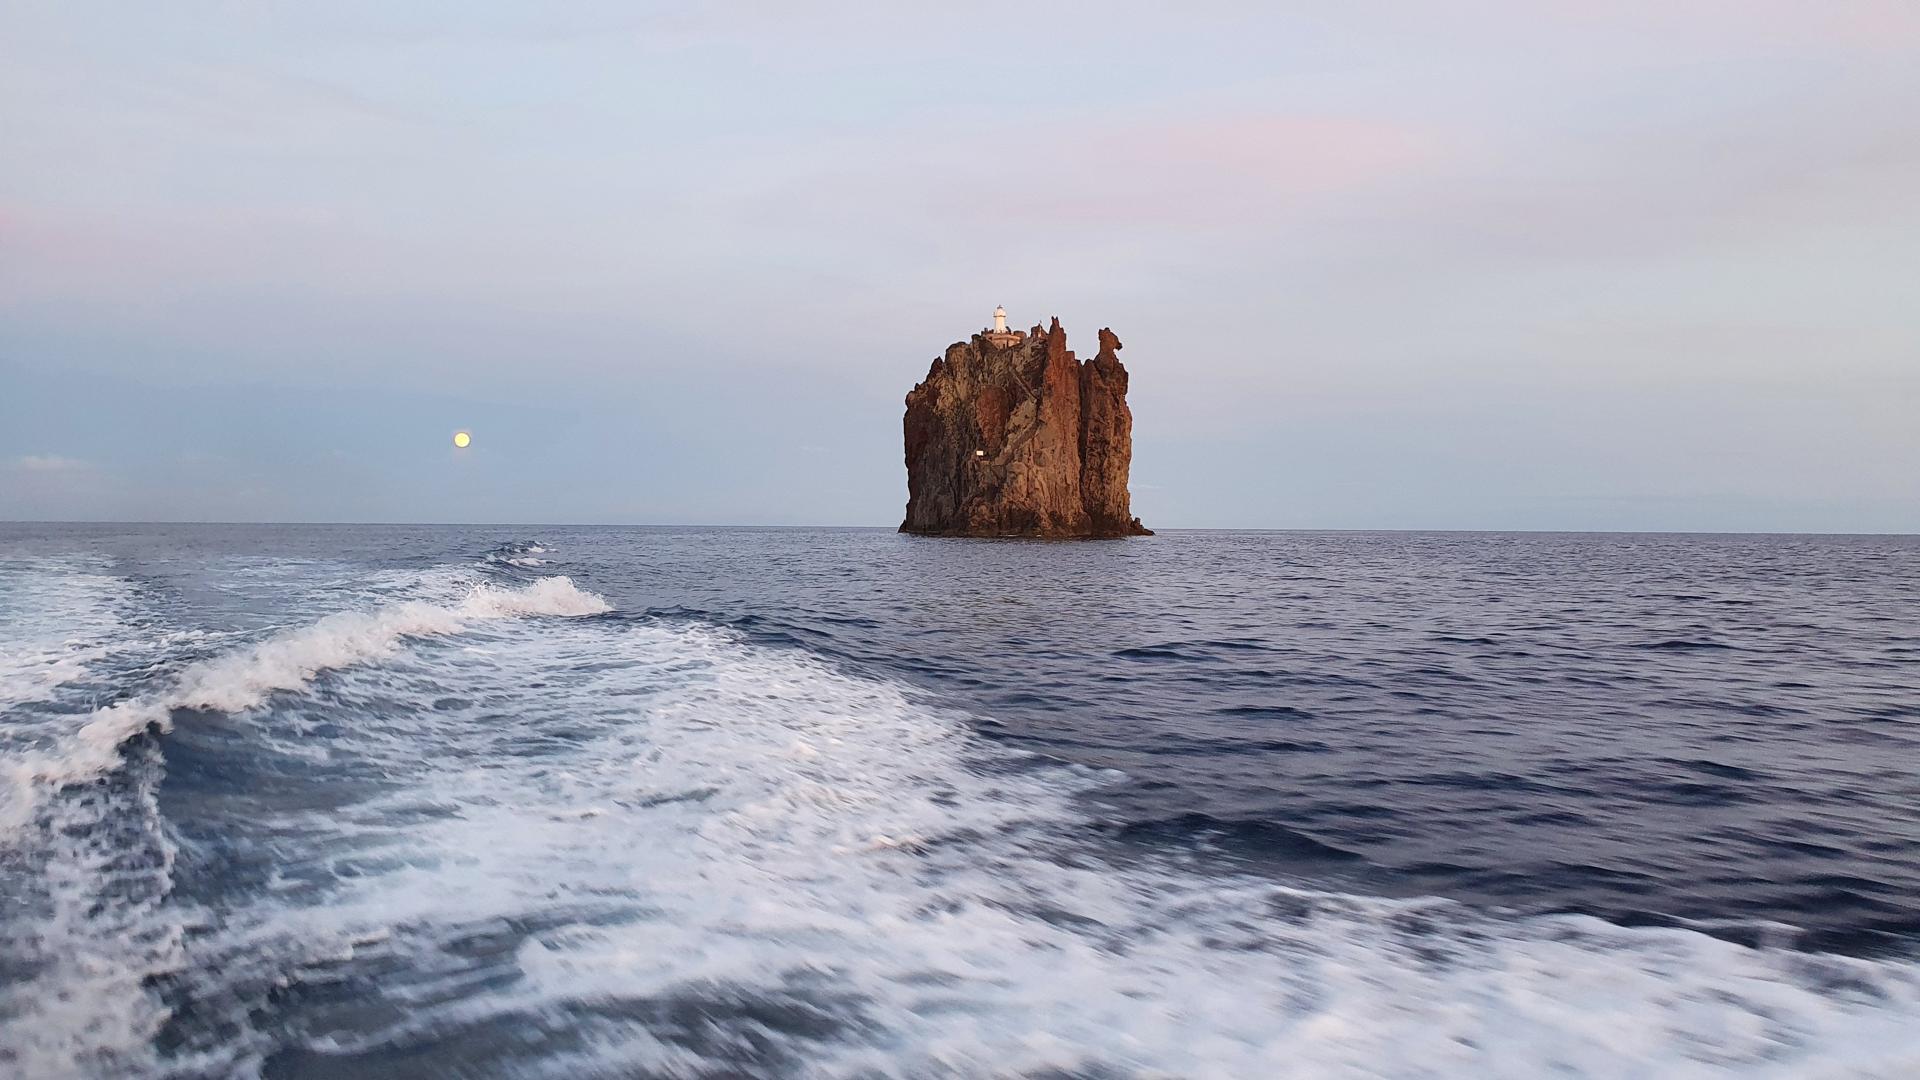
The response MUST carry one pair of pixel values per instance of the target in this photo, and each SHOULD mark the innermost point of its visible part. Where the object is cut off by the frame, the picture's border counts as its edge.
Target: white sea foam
(286, 661)
(693, 819)
(57, 619)
(523, 555)
(93, 929)
(94, 923)
(80, 930)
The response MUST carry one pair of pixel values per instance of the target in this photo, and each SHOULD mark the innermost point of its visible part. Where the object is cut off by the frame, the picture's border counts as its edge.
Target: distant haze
(1636, 264)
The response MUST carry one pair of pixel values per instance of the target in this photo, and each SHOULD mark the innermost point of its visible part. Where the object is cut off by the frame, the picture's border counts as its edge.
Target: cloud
(1201, 171)
(48, 463)
(51, 487)
(1202, 167)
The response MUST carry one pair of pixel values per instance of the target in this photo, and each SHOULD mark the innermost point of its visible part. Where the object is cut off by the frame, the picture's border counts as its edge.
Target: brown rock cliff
(1009, 435)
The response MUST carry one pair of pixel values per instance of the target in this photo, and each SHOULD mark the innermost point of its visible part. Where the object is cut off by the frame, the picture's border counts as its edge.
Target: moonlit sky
(1596, 264)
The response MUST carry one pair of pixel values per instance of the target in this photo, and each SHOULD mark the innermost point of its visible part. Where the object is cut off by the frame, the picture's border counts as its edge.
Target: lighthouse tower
(1000, 335)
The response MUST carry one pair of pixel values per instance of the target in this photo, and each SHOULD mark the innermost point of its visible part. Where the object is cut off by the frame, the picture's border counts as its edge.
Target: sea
(519, 801)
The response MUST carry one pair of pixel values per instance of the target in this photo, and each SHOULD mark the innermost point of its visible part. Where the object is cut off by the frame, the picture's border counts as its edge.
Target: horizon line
(5, 522)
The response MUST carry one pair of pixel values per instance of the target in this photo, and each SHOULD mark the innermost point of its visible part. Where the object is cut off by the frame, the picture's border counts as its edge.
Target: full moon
(461, 439)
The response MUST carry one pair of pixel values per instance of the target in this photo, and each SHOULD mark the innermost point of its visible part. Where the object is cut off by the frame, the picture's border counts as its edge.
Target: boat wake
(526, 843)
(241, 681)
(86, 860)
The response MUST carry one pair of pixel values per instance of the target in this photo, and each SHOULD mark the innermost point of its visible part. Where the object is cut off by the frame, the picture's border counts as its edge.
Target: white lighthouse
(1000, 336)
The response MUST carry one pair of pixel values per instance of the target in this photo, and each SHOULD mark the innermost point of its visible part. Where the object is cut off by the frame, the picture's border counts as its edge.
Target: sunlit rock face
(1010, 435)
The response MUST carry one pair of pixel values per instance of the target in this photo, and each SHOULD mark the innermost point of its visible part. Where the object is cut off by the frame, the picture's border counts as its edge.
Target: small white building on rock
(1000, 335)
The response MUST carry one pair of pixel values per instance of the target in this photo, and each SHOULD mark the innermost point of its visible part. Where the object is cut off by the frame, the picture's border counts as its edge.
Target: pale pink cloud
(1209, 172)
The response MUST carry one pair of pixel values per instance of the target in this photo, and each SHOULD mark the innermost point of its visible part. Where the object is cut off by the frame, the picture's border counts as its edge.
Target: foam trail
(93, 929)
(836, 881)
(56, 620)
(522, 555)
(288, 661)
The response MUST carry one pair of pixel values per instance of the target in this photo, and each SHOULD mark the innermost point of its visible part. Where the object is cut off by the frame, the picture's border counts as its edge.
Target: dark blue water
(344, 801)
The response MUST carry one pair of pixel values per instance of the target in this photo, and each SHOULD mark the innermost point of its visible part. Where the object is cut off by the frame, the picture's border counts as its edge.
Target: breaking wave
(510, 841)
(288, 661)
(685, 854)
(89, 859)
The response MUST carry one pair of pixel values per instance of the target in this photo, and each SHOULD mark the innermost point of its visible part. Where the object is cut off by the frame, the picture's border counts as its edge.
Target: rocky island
(1010, 435)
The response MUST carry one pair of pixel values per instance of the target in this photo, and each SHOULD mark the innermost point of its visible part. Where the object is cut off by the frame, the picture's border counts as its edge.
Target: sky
(1488, 264)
